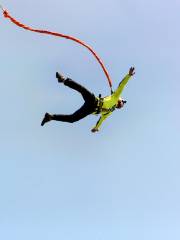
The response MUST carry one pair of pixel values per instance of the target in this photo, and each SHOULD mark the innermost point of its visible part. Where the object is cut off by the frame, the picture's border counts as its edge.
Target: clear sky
(61, 181)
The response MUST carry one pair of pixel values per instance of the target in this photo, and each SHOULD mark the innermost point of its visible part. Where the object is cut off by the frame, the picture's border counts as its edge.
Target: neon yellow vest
(109, 103)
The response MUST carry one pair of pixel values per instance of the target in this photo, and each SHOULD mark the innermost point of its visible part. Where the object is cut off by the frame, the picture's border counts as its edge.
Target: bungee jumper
(92, 104)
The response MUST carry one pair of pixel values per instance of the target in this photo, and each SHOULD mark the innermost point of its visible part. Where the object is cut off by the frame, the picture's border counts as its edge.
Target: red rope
(6, 15)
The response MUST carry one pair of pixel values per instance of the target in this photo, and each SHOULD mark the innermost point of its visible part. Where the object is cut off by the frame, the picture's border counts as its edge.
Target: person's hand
(131, 71)
(94, 130)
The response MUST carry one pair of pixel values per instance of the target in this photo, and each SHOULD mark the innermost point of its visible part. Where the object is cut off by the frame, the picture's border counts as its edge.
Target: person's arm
(99, 122)
(124, 82)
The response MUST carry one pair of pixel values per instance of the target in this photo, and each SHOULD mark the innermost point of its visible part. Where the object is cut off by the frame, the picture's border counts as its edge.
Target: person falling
(92, 104)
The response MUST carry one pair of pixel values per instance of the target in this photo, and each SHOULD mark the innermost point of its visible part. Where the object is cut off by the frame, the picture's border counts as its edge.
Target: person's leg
(86, 94)
(84, 111)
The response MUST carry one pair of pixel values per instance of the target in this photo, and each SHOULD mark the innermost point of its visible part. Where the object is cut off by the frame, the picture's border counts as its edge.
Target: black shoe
(47, 118)
(60, 77)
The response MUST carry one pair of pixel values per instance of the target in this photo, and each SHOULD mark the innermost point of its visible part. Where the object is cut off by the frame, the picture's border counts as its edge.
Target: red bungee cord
(13, 20)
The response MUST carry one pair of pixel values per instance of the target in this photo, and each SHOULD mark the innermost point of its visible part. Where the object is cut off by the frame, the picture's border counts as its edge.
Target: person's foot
(47, 118)
(60, 77)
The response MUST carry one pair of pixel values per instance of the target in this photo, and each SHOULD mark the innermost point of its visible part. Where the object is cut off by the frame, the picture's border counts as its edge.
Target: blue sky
(61, 181)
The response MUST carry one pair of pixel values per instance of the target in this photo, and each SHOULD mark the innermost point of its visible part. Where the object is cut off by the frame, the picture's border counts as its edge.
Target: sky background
(61, 181)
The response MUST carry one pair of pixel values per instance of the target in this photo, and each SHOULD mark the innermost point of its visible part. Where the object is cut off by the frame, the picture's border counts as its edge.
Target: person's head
(120, 103)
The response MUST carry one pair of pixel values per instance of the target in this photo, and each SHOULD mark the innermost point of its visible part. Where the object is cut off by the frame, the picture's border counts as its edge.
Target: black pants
(87, 108)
